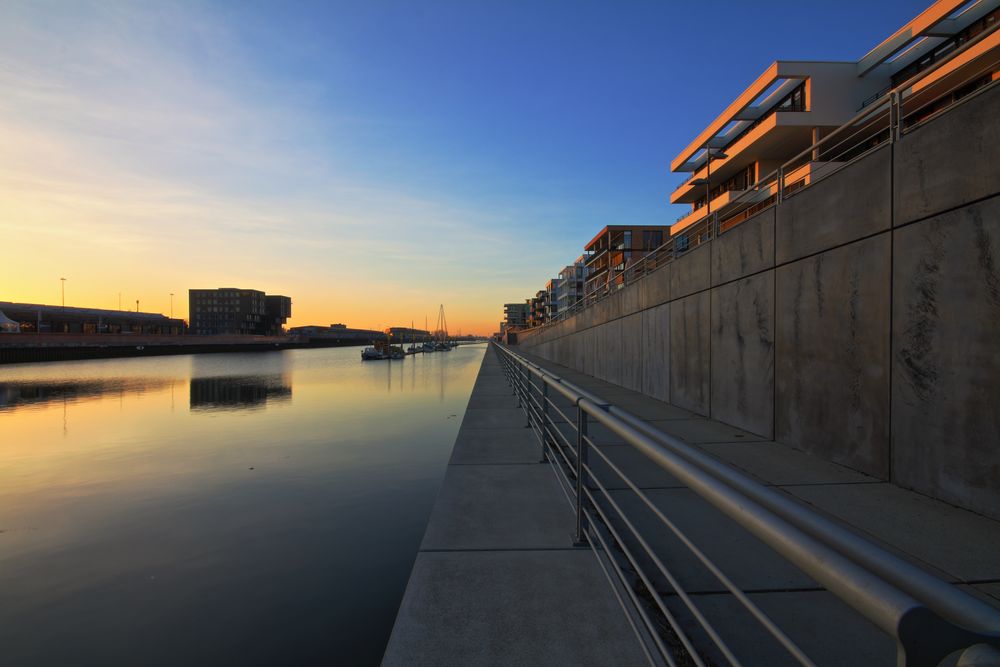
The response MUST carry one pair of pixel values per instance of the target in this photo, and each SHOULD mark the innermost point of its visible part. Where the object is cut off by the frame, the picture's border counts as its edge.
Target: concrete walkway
(958, 545)
(497, 580)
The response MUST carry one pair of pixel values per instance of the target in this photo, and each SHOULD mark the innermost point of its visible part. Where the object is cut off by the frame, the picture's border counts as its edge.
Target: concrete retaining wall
(858, 320)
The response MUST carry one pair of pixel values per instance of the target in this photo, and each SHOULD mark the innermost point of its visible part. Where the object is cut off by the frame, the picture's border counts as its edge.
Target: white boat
(371, 354)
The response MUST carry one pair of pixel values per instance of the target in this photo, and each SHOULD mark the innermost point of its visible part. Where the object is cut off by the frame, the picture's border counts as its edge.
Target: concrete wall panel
(946, 357)
(691, 272)
(743, 354)
(654, 289)
(950, 161)
(690, 333)
(850, 204)
(745, 249)
(629, 296)
(832, 355)
(656, 352)
(632, 357)
(613, 351)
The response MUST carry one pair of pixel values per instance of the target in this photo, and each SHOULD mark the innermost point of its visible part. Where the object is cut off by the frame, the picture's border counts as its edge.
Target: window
(652, 239)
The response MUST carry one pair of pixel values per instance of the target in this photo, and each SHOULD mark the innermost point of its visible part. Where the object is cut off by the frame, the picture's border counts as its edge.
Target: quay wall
(858, 319)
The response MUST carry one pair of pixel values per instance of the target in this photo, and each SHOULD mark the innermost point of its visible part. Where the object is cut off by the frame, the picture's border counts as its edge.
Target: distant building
(571, 287)
(38, 318)
(516, 315)
(234, 311)
(615, 248)
(552, 290)
(407, 335)
(337, 334)
(537, 304)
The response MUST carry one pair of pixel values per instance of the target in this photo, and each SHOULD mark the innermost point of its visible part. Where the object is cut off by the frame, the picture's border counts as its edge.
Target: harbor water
(260, 508)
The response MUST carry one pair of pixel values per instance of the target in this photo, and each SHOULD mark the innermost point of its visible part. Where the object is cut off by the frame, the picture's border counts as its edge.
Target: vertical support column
(545, 421)
(528, 386)
(581, 462)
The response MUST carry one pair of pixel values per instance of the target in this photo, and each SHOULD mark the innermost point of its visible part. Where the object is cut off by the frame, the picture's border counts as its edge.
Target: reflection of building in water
(238, 392)
(32, 392)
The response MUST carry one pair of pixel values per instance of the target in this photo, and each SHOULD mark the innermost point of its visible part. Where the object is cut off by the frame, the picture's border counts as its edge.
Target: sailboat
(442, 332)
(413, 349)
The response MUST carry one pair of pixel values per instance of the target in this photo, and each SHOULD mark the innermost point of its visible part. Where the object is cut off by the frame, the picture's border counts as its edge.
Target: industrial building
(37, 318)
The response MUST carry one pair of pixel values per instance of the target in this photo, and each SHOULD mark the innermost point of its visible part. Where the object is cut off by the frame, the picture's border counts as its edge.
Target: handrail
(929, 618)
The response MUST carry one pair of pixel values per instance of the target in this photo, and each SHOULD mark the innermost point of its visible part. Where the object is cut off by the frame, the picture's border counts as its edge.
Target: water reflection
(238, 392)
(39, 392)
(141, 534)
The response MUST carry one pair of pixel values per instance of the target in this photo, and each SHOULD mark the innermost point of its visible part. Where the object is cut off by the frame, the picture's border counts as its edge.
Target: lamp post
(63, 292)
(171, 305)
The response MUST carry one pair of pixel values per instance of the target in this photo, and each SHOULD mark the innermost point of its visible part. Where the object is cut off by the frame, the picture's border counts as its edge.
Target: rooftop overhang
(774, 83)
(941, 20)
(777, 138)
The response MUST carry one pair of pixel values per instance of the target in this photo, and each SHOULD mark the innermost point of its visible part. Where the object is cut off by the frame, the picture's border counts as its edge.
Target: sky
(373, 159)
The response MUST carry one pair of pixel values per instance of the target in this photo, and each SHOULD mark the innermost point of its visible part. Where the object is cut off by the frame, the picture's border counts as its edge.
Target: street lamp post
(63, 292)
(171, 305)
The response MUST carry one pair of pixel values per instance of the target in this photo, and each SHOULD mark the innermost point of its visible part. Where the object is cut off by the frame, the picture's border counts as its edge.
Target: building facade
(38, 318)
(237, 312)
(615, 248)
(553, 289)
(572, 279)
(793, 105)
(516, 315)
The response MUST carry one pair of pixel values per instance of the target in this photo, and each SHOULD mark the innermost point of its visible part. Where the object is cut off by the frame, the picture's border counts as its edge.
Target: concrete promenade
(958, 545)
(498, 582)
(497, 579)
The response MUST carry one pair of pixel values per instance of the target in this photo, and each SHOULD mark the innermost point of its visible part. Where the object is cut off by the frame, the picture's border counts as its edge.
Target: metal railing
(881, 121)
(928, 618)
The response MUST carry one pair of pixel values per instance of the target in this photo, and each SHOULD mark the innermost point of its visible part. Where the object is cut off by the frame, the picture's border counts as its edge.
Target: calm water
(239, 509)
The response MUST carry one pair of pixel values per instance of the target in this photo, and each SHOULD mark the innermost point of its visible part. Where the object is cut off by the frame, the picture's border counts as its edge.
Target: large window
(652, 239)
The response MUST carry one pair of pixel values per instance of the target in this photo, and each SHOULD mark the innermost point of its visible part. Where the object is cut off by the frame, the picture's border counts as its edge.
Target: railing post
(545, 422)
(581, 462)
(781, 183)
(893, 116)
(529, 385)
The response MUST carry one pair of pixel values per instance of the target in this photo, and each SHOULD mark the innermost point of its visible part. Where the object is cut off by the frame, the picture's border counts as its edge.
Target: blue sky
(371, 159)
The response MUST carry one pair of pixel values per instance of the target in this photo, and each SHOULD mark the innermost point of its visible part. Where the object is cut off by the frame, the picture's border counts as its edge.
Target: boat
(373, 354)
(442, 344)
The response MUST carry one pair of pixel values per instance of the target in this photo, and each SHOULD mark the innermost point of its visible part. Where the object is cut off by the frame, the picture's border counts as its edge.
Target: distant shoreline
(35, 348)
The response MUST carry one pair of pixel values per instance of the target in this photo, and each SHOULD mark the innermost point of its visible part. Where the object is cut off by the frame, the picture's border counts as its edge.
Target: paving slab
(499, 507)
(497, 445)
(748, 562)
(481, 401)
(775, 463)
(634, 464)
(510, 608)
(494, 418)
(497, 580)
(957, 543)
(829, 631)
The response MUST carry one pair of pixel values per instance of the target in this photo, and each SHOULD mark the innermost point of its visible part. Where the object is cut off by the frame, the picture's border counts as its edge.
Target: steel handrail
(923, 613)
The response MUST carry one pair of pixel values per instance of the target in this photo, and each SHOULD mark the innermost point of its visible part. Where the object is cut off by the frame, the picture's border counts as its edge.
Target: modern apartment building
(537, 304)
(794, 104)
(553, 289)
(614, 249)
(236, 311)
(516, 315)
(572, 278)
